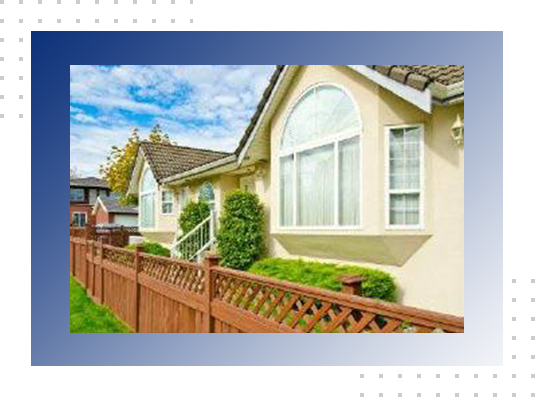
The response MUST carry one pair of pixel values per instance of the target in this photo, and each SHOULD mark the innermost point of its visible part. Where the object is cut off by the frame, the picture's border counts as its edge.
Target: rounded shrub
(193, 215)
(241, 235)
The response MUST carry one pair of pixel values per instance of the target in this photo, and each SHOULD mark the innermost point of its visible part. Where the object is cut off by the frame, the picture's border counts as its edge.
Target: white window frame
(421, 191)
(333, 139)
(79, 214)
(146, 193)
(211, 203)
(83, 195)
(163, 202)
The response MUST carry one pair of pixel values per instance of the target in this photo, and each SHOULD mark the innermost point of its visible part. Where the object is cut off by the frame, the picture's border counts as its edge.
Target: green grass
(377, 284)
(88, 317)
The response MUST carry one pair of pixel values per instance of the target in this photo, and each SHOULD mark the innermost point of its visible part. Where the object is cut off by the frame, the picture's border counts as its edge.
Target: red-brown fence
(155, 294)
(118, 237)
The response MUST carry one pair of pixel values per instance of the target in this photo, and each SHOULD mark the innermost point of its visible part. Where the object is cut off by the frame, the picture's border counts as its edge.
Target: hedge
(151, 248)
(377, 284)
(193, 215)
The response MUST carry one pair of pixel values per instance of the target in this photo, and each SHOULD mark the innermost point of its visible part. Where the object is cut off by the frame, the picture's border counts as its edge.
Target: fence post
(101, 267)
(72, 257)
(210, 261)
(137, 290)
(351, 285)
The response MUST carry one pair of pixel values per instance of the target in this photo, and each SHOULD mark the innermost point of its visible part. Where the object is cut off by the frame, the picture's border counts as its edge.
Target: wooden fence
(155, 294)
(118, 237)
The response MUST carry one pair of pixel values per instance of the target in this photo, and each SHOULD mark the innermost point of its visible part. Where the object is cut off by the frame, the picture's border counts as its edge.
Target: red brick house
(107, 211)
(84, 194)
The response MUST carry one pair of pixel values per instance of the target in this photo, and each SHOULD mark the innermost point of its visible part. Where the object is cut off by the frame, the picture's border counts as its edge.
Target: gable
(419, 85)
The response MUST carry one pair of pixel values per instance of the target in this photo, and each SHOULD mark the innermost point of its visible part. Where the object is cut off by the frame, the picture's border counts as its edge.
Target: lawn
(88, 317)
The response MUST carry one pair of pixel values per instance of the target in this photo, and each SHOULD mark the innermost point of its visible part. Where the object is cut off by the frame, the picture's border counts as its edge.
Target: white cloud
(214, 105)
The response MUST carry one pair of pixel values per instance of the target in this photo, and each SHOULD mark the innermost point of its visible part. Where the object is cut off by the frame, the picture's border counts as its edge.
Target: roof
(166, 160)
(421, 76)
(113, 206)
(414, 76)
(89, 182)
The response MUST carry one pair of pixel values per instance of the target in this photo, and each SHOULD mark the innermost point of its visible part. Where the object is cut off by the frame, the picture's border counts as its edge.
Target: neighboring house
(109, 211)
(359, 164)
(84, 194)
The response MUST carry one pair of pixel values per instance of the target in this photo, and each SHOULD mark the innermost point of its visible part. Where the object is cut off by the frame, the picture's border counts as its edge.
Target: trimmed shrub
(193, 215)
(151, 249)
(241, 235)
(376, 284)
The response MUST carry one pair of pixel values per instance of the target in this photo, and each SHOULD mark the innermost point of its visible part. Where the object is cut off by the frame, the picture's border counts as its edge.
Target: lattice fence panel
(184, 275)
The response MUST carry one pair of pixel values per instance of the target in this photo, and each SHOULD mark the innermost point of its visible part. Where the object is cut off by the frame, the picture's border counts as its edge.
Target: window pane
(77, 194)
(405, 174)
(147, 210)
(315, 187)
(349, 196)
(323, 111)
(206, 193)
(287, 191)
(149, 183)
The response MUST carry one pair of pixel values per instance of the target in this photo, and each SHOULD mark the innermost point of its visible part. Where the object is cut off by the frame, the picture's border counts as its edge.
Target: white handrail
(199, 239)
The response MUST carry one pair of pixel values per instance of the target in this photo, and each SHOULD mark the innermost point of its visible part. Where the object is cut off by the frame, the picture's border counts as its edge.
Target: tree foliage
(192, 216)
(120, 162)
(241, 235)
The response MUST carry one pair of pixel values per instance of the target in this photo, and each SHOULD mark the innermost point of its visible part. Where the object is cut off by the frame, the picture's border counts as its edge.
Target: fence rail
(155, 294)
(116, 236)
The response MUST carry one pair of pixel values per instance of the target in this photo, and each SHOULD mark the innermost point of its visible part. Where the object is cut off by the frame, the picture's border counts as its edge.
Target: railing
(194, 244)
(155, 294)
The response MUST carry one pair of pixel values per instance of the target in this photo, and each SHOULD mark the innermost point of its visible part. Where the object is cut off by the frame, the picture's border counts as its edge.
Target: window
(319, 164)
(206, 194)
(184, 198)
(79, 219)
(146, 199)
(405, 165)
(77, 195)
(167, 202)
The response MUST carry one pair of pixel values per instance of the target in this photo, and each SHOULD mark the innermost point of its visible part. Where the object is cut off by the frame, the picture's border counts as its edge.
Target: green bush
(193, 215)
(376, 284)
(151, 248)
(241, 235)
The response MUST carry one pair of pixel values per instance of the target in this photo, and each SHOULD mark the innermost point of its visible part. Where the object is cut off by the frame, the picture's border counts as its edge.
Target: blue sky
(202, 106)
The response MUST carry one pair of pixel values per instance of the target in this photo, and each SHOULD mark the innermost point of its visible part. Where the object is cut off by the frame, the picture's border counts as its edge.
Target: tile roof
(113, 206)
(167, 160)
(89, 182)
(420, 76)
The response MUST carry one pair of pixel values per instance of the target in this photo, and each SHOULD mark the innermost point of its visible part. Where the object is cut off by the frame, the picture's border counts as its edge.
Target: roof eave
(448, 94)
(422, 99)
(203, 168)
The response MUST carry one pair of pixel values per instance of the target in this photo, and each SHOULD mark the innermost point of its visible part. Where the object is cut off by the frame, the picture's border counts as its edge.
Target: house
(84, 194)
(108, 211)
(358, 164)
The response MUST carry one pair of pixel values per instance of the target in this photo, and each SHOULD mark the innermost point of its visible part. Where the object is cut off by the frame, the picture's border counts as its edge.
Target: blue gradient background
(482, 53)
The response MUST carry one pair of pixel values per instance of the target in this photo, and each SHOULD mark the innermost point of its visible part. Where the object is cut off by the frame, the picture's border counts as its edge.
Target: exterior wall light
(457, 131)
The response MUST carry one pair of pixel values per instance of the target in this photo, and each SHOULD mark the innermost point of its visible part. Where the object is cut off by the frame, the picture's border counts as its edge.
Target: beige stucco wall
(166, 225)
(428, 263)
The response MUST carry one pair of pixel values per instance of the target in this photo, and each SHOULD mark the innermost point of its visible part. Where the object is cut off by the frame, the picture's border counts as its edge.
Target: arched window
(319, 162)
(206, 194)
(147, 195)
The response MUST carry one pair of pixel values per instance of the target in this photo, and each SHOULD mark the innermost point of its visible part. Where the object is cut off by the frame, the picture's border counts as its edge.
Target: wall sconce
(457, 131)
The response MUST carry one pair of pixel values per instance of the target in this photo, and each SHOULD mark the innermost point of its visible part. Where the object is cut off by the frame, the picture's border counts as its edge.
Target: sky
(204, 106)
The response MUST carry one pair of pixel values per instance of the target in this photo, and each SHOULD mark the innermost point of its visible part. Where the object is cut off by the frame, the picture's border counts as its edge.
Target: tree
(120, 163)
